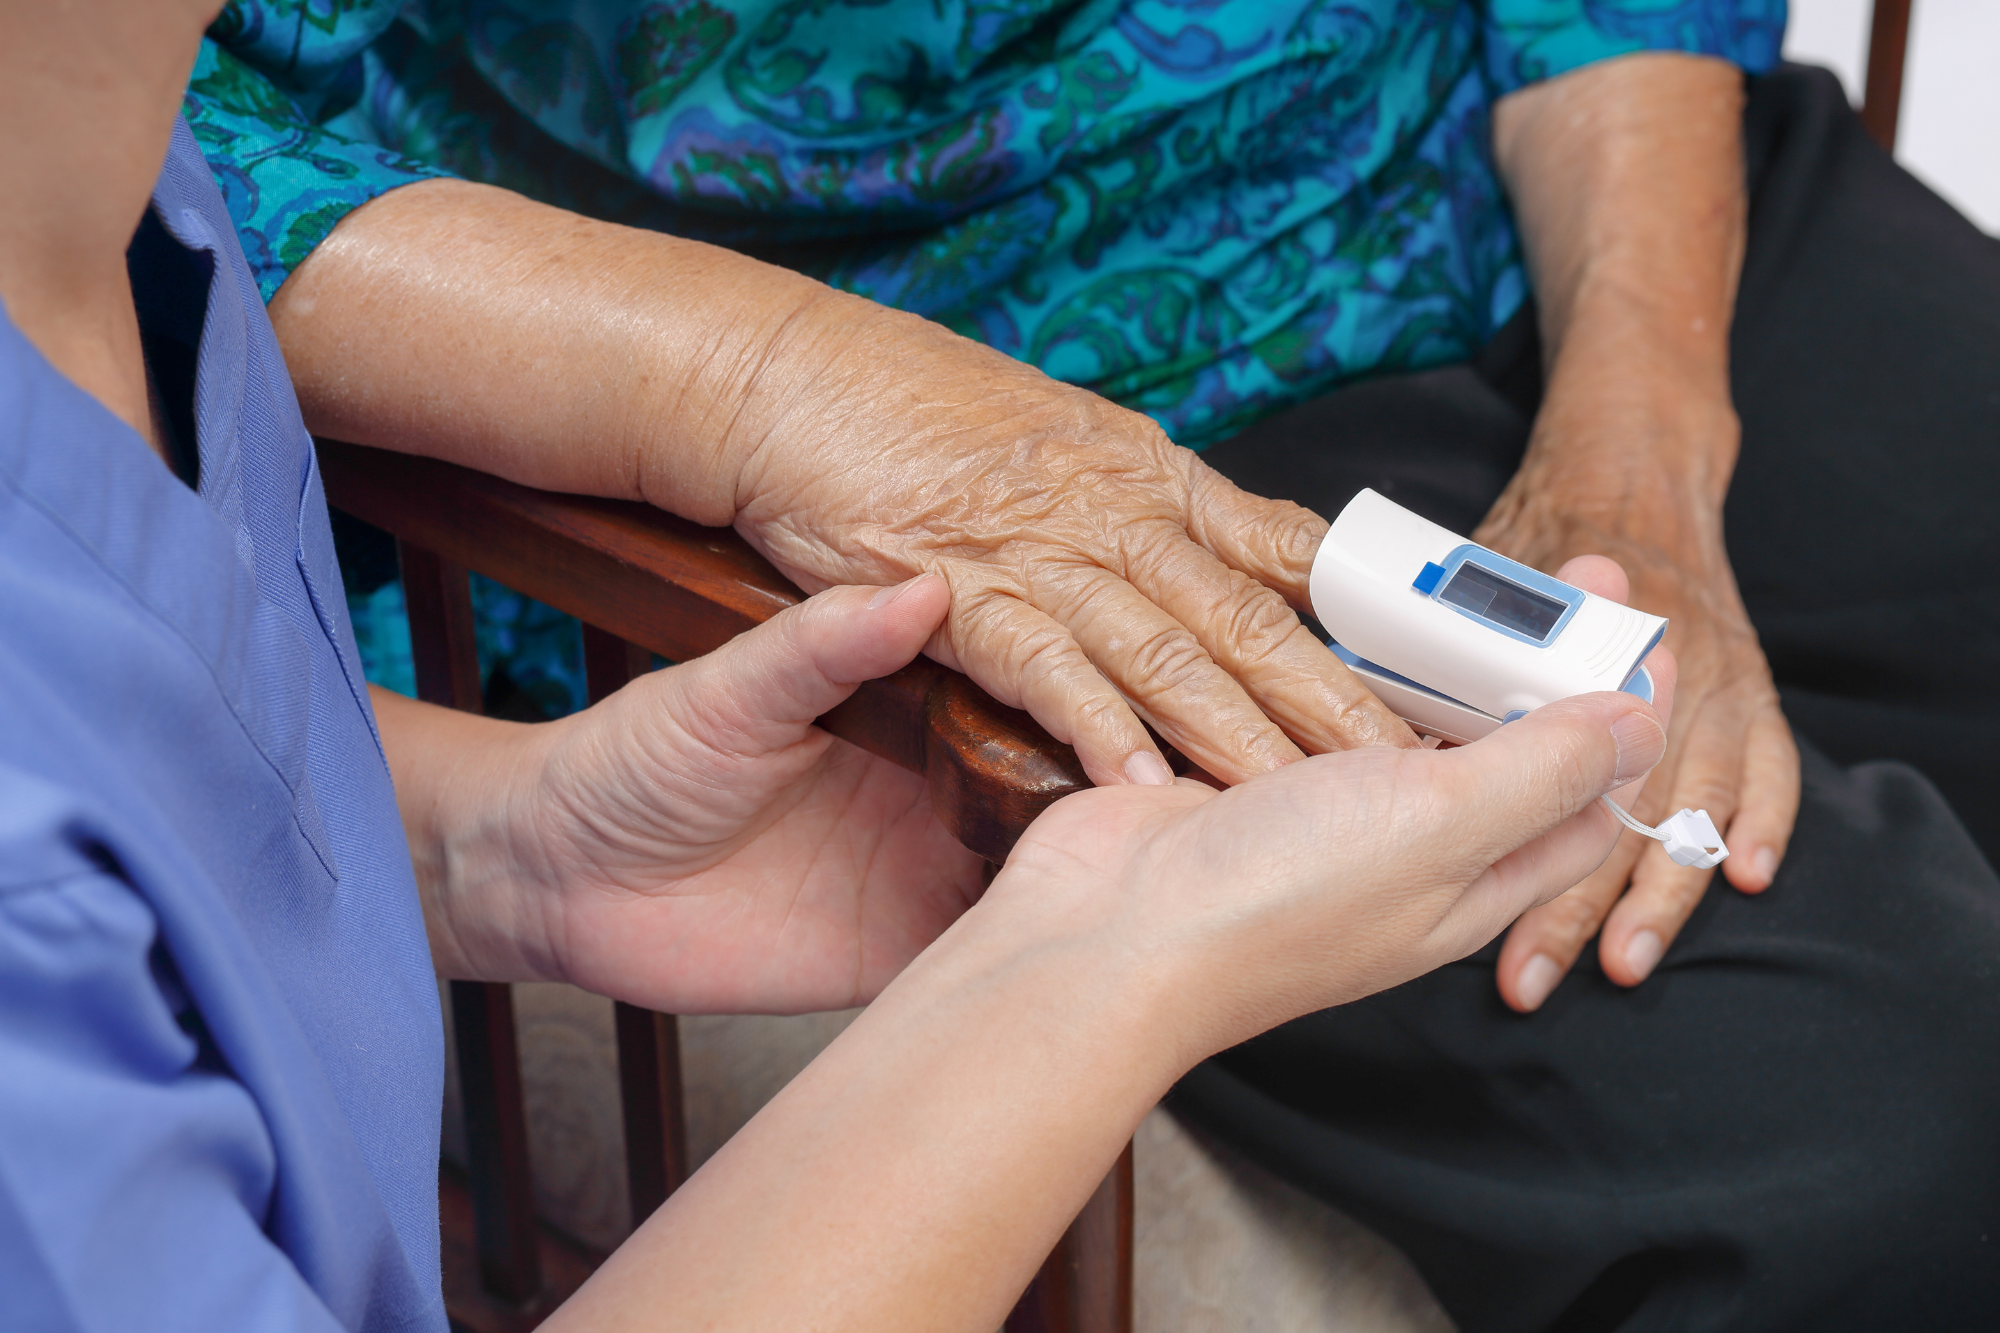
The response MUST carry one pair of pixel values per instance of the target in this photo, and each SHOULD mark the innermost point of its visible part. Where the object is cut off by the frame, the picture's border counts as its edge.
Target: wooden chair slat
(446, 657)
(1888, 46)
(649, 1051)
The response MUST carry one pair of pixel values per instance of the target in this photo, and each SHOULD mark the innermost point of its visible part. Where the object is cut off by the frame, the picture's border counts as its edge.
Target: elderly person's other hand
(1627, 178)
(1101, 576)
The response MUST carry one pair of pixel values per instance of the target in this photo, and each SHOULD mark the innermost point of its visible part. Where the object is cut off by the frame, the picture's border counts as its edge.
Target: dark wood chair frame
(644, 582)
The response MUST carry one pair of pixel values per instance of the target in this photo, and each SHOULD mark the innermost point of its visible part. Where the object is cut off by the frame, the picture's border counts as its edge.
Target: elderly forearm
(1627, 181)
(468, 323)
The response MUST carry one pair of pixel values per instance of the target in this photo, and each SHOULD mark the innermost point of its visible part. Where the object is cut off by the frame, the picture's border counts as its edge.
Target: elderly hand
(1627, 182)
(693, 843)
(1100, 575)
(1730, 751)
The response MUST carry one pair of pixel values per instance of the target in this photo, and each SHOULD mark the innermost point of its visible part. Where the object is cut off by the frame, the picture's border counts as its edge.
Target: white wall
(1950, 132)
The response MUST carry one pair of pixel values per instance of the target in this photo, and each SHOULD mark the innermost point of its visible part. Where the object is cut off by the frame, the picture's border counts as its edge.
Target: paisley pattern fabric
(1203, 209)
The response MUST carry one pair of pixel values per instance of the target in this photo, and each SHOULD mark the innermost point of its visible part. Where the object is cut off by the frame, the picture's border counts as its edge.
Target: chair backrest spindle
(445, 653)
(1888, 46)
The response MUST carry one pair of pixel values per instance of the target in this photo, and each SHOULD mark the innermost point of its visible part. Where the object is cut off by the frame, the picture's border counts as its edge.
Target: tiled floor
(1950, 132)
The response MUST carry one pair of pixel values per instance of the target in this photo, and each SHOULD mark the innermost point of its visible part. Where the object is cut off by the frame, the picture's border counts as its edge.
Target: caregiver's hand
(1100, 575)
(693, 843)
(917, 1172)
(1340, 876)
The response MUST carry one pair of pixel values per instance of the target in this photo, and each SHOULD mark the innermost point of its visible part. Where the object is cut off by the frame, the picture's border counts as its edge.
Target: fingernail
(890, 594)
(1640, 744)
(1765, 863)
(1539, 976)
(1642, 954)
(1147, 769)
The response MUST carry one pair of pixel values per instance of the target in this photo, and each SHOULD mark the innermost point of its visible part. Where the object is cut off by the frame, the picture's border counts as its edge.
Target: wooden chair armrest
(682, 590)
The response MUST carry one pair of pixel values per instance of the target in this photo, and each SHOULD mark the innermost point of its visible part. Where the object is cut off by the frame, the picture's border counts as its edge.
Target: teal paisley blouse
(1206, 210)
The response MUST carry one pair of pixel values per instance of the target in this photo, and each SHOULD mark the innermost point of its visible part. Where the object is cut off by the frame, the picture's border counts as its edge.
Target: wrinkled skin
(1097, 570)
(1730, 751)
(1100, 574)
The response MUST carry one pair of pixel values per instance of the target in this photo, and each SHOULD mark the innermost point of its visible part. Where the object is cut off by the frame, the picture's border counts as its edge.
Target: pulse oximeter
(1458, 640)
(1463, 636)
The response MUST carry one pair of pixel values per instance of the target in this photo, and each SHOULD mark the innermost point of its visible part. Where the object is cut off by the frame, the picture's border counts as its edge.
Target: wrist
(1082, 964)
(725, 339)
(465, 786)
(1637, 428)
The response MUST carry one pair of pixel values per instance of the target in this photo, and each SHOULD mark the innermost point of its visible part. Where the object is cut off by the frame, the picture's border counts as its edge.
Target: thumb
(766, 685)
(1537, 774)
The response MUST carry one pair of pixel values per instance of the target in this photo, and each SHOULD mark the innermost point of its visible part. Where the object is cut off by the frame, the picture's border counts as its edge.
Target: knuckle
(1167, 659)
(1667, 892)
(1708, 791)
(1043, 658)
(1098, 713)
(1256, 620)
(1572, 919)
(1074, 591)
(981, 603)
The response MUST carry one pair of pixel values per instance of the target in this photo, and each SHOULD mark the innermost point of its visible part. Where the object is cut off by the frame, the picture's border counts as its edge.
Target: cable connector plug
(1689, 836)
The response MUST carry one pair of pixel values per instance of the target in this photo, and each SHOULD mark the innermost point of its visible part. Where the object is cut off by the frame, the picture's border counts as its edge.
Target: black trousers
(1795, 1123)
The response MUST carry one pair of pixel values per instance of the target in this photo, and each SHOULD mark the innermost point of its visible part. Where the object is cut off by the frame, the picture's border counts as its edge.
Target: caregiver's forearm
(471, 324)
(915, 1174)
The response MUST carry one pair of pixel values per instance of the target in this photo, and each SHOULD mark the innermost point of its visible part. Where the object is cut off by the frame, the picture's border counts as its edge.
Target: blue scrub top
(221, 1059)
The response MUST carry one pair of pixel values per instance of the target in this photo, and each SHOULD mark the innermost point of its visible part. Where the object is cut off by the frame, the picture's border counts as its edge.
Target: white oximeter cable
(1690, 836)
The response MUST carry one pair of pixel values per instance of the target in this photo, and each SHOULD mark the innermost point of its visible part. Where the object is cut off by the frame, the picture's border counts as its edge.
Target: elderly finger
(1762, 829)
(1029, 661)
(1644, 923)
(1646, 920)
(1273, 541)
(1545, 943)
(1249, 631)
(1162, 670)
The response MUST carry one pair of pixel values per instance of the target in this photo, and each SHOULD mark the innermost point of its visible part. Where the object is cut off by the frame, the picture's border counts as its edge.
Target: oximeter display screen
(1502, 601)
